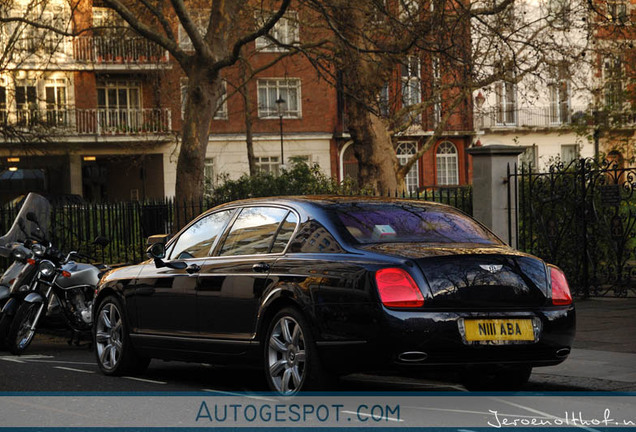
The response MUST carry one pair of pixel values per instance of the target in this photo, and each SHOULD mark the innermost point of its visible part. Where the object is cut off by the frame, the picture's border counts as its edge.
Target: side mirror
(157, 251)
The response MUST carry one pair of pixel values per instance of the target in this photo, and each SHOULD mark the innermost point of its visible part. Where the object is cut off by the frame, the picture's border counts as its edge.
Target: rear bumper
(424, 339)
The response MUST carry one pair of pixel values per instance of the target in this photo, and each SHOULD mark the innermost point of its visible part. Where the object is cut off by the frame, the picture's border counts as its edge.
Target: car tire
(291, 360)
(20, 334)
(113, 348)
(496, 378)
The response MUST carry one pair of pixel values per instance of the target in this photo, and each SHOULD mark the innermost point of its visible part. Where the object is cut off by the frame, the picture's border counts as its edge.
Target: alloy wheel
(109, 336)
(286, 355)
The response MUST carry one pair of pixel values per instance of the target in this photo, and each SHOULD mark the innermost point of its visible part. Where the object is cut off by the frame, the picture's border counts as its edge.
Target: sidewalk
(604, 353)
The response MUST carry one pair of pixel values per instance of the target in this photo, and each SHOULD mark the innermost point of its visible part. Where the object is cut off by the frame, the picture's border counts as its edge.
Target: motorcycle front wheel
(21, 332)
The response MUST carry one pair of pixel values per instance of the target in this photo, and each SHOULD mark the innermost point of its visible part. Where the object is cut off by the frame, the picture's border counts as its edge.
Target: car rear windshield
(402, 222)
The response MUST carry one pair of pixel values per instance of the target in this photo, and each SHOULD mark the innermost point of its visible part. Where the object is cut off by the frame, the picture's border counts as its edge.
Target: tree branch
(149, 33)
(236, 50)
(191, 29)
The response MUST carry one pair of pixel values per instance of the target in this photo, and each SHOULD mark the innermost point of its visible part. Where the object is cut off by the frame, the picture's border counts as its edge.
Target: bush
(299, 179)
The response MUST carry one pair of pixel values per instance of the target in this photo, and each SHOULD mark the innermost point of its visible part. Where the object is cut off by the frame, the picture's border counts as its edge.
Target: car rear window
(402, 222)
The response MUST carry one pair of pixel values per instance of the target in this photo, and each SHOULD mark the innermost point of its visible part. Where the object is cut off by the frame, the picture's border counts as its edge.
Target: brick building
(106, 111)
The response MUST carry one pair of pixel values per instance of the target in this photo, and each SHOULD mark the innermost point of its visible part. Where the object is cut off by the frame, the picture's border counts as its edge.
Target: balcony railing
(99, 121)
(118, 50)
(549, 117)
(109, 121)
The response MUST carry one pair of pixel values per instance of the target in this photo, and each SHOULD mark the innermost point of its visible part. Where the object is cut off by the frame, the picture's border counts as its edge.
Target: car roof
(327, 200)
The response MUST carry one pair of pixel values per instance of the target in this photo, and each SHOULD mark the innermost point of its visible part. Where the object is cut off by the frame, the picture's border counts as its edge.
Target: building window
(409, 9)
(617, 12)
(119, 106)
(208, 176)
(437, 96)
(569, 153)
(26, 102)
(559, 95)
(221, 110)
(405, 151)
(378, 12)
(506, 103)
(268, 164)
(383, 100)
(270, 90)
(3, 103)
(614, 85)
(446, 156)
(56, 109)
(285, 32)
(411, 81)
(200, 19)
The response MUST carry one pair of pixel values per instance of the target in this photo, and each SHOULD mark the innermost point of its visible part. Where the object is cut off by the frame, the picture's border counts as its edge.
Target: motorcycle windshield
(25, 229)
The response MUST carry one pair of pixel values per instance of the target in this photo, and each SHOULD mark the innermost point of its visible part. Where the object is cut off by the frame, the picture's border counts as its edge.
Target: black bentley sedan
(312, 287)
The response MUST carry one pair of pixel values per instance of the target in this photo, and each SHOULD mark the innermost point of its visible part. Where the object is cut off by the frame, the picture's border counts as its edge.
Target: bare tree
(218, 30)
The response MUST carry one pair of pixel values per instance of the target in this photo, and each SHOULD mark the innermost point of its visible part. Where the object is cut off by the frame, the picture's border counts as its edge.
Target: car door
(232, 282)
(166, 297)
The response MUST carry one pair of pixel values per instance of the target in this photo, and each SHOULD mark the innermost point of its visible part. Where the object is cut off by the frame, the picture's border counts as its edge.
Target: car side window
(253, 231)
(314, 238)
(198, 239)
(284, 233)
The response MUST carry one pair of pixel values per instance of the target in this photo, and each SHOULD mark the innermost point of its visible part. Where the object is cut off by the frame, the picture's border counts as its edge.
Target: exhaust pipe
(412, 357)
(563, 352)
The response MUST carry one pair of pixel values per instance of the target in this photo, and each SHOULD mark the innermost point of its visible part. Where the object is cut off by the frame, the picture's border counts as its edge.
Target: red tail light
(397, 288)
(560, 288)
(31, 261)
(66, 274)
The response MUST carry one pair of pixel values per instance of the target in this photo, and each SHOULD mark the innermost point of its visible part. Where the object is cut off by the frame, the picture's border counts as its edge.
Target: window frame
(216, 250)
(266, 112)
(444, 157)
(559, 94)
(170, 247)
(291, 32)
(259, 163)
(506, 103)
(415, 169)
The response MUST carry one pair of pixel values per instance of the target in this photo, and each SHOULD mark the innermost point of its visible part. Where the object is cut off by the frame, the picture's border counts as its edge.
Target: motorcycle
(20, 245)
(50, 281)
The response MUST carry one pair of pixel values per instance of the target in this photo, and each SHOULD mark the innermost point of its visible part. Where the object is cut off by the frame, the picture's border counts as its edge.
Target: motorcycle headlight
(18, 254)
(47, 268)
(38, 249)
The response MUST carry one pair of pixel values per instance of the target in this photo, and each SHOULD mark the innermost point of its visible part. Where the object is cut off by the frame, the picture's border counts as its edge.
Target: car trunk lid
(476, 276)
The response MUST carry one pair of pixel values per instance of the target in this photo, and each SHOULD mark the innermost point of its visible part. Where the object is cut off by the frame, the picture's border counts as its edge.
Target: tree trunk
(249, 142)
(203, 94)
(373, 147)
(363, 76)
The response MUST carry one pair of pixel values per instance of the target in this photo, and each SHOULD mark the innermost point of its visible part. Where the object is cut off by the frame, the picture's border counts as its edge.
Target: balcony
(109, 51)
(99, 121)
(549, 117)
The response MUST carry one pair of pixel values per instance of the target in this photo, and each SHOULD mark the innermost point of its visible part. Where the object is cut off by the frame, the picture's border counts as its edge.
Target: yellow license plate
(499, 330)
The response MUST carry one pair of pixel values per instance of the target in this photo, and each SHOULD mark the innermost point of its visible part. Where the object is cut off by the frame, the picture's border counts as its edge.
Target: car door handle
(194, 268)
(260, 267)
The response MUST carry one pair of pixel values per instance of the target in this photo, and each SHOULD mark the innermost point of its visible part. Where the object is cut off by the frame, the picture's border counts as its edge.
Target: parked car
(311, 287)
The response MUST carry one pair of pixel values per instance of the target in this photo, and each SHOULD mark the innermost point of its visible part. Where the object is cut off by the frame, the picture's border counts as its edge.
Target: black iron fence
(581, 217)
(128, 224)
